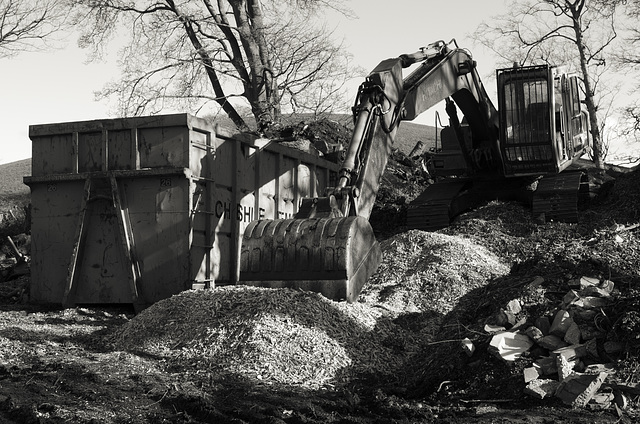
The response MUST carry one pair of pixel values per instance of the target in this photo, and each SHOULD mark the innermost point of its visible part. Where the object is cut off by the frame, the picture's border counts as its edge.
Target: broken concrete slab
(509, 346)
(577, 389)
(598, 368)
(565, 367)
(541, 388)
(581, 314)
(601, 401)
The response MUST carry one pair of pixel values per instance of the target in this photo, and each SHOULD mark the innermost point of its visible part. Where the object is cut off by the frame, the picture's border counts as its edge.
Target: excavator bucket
(331, 256)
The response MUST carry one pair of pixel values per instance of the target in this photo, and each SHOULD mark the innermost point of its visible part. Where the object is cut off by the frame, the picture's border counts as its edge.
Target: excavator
(539, 130)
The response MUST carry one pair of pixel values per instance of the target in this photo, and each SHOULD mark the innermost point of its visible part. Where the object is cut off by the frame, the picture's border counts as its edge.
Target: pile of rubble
(568, 352)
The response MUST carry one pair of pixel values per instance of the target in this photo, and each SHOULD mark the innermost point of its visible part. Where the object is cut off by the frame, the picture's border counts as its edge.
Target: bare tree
(27, 25)
(577, 33)
(265, 54)
(628, 58)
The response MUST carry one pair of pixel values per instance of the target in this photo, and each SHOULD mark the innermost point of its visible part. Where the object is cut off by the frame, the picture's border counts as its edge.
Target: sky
(59, 86)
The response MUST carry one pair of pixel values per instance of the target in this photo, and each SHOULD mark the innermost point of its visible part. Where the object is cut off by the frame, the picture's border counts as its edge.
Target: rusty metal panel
(52, 155)
(90, 152)
(55, 206)
(120, 144)
(163, 147)
(159, 213)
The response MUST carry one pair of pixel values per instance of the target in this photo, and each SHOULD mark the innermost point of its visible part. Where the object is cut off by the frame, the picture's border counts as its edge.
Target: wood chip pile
(302, 339)
(280, 336)
(424, 271)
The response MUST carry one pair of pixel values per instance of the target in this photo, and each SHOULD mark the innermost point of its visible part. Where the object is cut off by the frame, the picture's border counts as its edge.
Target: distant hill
(12, 189)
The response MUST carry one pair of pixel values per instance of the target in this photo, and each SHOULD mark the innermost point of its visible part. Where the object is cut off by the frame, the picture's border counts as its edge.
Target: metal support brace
(67, 300)
(126, 238)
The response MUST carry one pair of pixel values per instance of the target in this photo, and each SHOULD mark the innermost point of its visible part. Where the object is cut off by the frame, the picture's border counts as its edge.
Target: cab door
(576, 117)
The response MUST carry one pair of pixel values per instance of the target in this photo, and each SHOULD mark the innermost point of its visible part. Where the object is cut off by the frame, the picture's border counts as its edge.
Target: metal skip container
(135, 210)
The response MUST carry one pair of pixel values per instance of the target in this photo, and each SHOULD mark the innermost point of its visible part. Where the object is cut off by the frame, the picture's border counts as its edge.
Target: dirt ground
(72, 366)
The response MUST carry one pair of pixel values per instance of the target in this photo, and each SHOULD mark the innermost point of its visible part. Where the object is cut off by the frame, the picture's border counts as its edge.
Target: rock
(592, 348)
(589, 282)
(534, 333)
(577, 389)
(509, 346)
(613, 347)
(493, 329)
(541, 388)
(547, 365)
(561, 323)
(590, 333)
(551, 342)
(583, 315)
(543, 324)
(531, 373)
(505, 318)
(468, 346)
(597, 291)
(591, 302)
(573, 334)
(570, 298)
(514, 306)
(571, 353)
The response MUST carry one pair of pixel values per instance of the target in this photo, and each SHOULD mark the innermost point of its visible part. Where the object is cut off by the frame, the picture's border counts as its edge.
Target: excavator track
(557, 196)
(437, 205)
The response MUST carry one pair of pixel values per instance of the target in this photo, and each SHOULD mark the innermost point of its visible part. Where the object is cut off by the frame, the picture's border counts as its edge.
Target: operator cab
(543, 128)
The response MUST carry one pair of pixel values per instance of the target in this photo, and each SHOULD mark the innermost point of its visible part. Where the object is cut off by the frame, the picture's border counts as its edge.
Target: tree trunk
(598, 151)
(221, 98)
(250, 25)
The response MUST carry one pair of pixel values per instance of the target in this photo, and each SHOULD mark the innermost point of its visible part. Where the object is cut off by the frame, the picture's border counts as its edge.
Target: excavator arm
(329, 246)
